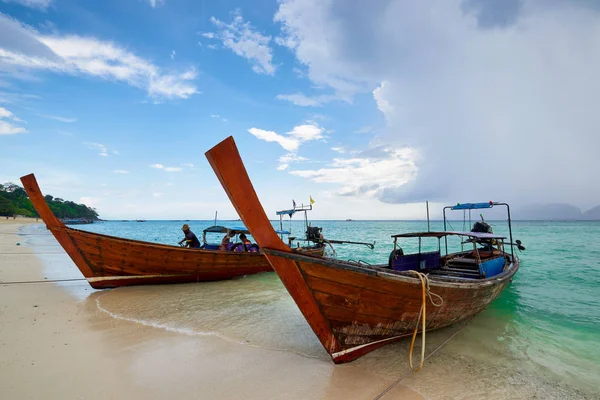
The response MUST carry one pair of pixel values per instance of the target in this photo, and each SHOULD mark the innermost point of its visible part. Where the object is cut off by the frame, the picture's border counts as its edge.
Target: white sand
(56, 344)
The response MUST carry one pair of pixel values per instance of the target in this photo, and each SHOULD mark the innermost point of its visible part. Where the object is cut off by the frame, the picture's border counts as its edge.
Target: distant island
(14, 201)
(554, 212)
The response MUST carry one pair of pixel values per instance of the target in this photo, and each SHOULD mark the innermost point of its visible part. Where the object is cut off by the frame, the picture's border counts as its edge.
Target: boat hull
(352, 308)
(369, 307)
(108, 261)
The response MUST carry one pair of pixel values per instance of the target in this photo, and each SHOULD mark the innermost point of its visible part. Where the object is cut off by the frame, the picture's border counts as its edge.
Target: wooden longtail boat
(355, 308)
(108, 261)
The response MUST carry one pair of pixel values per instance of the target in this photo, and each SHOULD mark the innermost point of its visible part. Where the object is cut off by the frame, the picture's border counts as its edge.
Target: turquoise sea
(547, 322)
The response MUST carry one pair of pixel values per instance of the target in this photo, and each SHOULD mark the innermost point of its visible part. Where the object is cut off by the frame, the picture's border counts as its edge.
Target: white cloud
(23, 49)
(302, 100)
(4, 113)
(38, 4)
(169, 169)
(8, 128)
(102, 150)
(311, 30)
(59, 118)
(157, 194)
(307, 132)
(188, 165)
(219, 117)
(120, 171)
(172, 55)
(513, 104)
(367, 174)
(298, 135)
(241, 38)
(156, 3)
(340, 150)
(209, 35)
(380, 94)
(290, 144)
(291, 158)
(287, 159)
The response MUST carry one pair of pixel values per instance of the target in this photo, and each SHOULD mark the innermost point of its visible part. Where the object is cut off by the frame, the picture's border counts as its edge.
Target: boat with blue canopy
(483, 253)
(355, 307)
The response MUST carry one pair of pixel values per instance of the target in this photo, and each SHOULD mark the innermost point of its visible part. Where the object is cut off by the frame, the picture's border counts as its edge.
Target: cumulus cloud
(8, 127)
(288, 143)
(291, 141)
(368, 173)
(241, 38)
(120, 171)
(4, 113)
(495, 104)
(23, 49)
(157, 166)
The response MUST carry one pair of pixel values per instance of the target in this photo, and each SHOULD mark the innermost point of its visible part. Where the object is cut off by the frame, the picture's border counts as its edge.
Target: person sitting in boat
(246, 245)
(226, 241)
(244, 239)
(190, 238)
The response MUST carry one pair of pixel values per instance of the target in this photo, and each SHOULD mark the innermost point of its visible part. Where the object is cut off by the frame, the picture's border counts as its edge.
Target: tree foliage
(14, 201)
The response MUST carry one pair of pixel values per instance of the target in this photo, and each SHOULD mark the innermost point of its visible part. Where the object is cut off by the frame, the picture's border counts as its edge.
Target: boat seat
(464, 260)
(419, 261)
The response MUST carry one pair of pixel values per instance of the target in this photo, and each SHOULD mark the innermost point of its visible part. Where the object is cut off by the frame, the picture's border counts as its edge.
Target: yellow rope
(422, 318)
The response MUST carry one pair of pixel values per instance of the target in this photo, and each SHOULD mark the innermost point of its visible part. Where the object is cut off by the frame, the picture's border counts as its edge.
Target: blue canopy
(286, 212)
(472, 206)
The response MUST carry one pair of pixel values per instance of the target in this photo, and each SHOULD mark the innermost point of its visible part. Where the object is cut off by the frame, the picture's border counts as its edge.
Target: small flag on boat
(294, 203)
(311, 200)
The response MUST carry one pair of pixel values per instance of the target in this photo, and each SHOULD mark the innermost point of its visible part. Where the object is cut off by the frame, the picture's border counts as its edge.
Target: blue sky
(371, 108)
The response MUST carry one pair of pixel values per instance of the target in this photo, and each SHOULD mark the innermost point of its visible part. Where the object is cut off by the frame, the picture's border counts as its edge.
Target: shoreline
(54, 340)
(185, 341)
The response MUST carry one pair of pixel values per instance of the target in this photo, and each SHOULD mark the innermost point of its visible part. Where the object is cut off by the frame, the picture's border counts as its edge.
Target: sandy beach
(65, 340)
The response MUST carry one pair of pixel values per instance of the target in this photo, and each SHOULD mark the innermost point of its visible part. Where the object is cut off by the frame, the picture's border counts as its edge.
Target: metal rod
(428, 227)
(215, 218)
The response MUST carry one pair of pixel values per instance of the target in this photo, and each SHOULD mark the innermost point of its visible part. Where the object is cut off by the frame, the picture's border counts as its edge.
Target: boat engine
(482, 227)
(313, 233)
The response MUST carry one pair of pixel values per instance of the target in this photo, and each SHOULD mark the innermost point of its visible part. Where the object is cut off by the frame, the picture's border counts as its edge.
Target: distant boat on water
(140, 220)
(76, 221)
(349, 219)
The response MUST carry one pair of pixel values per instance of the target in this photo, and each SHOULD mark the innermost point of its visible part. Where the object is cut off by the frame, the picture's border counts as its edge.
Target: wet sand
(236, 339)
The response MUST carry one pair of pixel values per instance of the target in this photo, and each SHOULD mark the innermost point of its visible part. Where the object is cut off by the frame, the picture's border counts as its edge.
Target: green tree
(6, 207)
